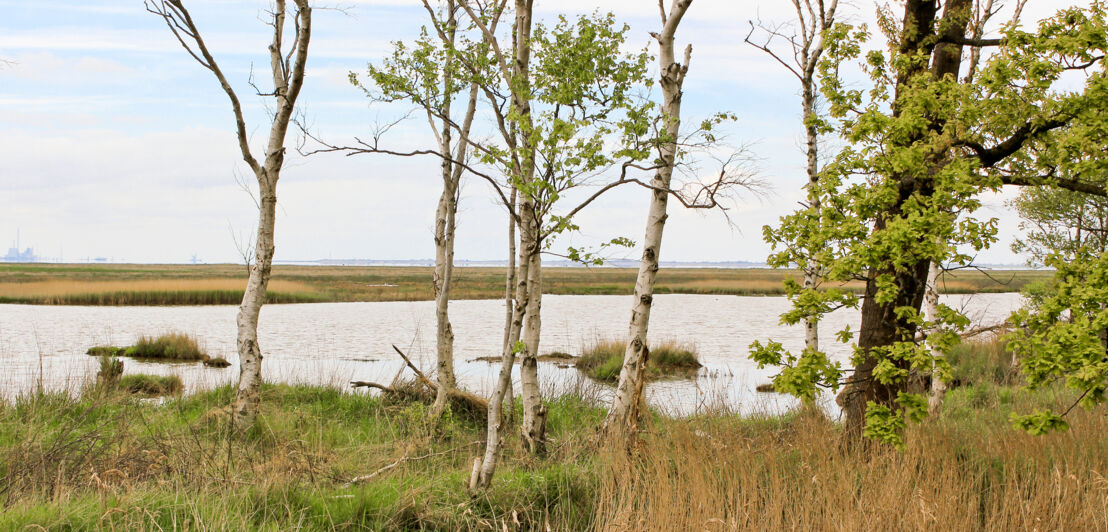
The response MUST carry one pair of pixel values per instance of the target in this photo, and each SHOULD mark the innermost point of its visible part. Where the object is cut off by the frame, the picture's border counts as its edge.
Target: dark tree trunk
(880, 326)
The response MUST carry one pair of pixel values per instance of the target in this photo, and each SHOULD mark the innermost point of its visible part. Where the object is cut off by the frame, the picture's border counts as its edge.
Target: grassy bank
(123, 284)
(113, 462)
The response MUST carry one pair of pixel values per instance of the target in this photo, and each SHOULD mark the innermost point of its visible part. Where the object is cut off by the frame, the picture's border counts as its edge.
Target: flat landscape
(222, 284)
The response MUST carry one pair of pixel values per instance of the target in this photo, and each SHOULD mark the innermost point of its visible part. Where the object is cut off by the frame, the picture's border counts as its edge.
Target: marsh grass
(148, 292)
(104, 461)
(109, 461)
(222, 284)
(151, 385)
(603, 360)
(175, 346)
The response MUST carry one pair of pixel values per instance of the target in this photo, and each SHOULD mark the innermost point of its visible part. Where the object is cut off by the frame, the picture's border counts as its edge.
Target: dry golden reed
(726, 477)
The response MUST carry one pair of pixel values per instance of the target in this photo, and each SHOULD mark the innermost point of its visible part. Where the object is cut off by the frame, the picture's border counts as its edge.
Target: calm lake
(333, 343)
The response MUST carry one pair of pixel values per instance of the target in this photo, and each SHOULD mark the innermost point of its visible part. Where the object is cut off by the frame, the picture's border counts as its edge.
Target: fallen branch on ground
(462, 401)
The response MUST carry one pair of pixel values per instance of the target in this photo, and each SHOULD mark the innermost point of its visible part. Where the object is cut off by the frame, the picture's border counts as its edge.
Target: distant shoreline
(222, 284)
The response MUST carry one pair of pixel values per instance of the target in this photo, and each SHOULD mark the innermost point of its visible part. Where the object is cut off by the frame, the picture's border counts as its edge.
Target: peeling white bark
(287, 71)
(627, 405)
(930, 312)
(534, 412)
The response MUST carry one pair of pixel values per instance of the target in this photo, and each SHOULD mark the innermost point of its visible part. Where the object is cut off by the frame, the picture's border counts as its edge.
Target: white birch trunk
(444, 248)
(509, 285)
(930, 311)
(534, 412)
(487, 467)
(247, 397)
(627, 405)
(811, 269)
(444, 267)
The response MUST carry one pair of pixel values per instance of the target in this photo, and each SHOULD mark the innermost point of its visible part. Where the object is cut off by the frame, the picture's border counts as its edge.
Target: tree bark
(487, 467)
(444, 268)
(880, 325)
(288, 77)
(931, 311)
(509, 284)
(534, 412)
(628, 402)
(452, 169)
(516, 74)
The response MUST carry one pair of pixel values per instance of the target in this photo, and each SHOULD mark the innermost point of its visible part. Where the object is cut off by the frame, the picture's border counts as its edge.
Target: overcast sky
(114, 143)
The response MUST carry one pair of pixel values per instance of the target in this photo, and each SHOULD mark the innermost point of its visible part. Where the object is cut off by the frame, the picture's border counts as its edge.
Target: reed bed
(151, 385)
(169, 346)
(159, 292)
(223, 284)
(719, 475)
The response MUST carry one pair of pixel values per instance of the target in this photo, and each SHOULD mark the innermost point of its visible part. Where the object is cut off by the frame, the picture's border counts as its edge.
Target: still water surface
(333, 343)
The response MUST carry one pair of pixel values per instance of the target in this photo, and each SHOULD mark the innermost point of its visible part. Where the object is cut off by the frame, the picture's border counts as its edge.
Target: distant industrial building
(14, 255)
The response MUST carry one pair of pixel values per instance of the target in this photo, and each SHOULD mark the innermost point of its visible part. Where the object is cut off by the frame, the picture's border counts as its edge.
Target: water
(333, 343)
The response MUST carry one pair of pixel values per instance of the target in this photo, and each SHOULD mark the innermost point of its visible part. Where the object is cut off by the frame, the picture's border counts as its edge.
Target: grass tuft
(171, 346)
(603, 361)
(152, 385)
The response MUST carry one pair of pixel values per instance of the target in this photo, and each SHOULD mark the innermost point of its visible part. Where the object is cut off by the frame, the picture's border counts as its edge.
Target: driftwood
(463, 402)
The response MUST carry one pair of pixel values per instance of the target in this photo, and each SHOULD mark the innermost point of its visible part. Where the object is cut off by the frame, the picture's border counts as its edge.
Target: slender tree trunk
(445, 226)
(509, 285)
(444, 266)
(534, 412)
(484, 470)
(931, 311)
(248, 398)
(628, 402)
(811, 269)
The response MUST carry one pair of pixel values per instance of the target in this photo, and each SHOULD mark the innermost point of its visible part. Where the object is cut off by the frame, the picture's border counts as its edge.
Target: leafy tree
(922, 145)
(1063, 337)
(1058, 221)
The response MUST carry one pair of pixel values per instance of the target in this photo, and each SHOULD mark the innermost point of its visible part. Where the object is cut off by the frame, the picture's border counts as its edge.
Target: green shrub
(987, 362)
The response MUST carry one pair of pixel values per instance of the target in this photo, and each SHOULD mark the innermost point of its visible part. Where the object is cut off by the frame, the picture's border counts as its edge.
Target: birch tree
(567, 115)
(628, 400)
(429, 75)
(923, 144)
(287, 70)
(814, 21)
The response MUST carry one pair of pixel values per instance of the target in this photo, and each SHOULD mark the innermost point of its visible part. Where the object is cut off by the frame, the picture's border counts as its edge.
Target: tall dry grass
(705, 477)
(148, 292)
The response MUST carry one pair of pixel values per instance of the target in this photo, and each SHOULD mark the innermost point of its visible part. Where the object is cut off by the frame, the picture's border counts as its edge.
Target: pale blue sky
(114, 143)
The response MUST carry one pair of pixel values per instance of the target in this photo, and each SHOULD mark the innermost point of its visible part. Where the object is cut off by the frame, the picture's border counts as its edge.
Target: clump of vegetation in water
(172, 347)
(105, 351)
(604, 360)
(152, 385)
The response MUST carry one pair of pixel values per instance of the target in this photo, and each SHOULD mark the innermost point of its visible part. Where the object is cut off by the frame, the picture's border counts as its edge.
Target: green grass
(603, 361)
(171, 346)
(105, 460)
(176, 464)
(151, 385)
(105, 351)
